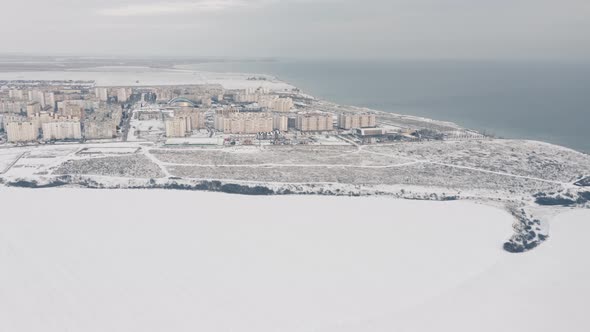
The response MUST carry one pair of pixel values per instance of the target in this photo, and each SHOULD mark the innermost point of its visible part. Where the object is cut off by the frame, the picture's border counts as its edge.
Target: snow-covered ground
(543, 290)
(150, 260)
(7, 158)
(498, 170)
(143, 130)
(140, 76)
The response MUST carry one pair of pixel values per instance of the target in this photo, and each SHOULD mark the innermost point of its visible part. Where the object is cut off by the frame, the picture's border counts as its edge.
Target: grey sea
(532, 100)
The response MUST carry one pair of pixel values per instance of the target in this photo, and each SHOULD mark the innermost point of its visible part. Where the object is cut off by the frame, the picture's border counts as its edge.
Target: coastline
(331, 237)
(472, 169)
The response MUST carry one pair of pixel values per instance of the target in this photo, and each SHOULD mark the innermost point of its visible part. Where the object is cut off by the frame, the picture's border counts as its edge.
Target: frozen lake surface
(150, 260)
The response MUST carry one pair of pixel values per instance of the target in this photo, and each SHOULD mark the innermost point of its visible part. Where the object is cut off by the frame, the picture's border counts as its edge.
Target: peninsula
(253, 134)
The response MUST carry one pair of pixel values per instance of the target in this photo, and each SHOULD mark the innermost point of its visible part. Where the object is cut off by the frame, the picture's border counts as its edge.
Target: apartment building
(61, 130)
(248, 123)
(315, 121)
(179, 126)
(282, 104)
(19, 132)
(356, 120)
(280, 122)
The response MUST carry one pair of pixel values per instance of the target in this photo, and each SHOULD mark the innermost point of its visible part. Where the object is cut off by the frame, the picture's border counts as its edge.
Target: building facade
(122, 95)
(220, 116)
(61, 130)
(248, 123)
(282, 104)
(16, 94)
(37, 96)
(33, 108)
(316, 121)
(12, 106)
(19, 132)
(280, 122)
(356, 120)
(196, 116)
(7, 118)
(102, 94)
(179, 126)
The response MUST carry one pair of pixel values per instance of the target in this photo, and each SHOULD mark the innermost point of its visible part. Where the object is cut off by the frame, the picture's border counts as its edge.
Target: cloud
(166, 8)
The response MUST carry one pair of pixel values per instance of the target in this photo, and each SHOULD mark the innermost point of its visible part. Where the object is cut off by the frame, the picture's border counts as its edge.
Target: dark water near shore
(541, 100)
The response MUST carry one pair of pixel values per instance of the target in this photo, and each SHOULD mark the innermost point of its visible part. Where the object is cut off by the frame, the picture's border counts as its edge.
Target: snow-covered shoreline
(388, 237)
(523, 185)
(529, 179)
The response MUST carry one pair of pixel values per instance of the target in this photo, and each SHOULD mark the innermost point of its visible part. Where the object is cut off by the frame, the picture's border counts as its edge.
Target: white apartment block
(38, 119)
(7, 118)
(37, 96)
(18, 132)
(102, 94)
(59, 130)
(178, 126)
(197, 117)
(220, 114)
(122, 95)
(253, 95)
(280, 122)
(248, 123)
(356, 120)
(314, 122)
(12, 106)
(33, 108)
(50, 99)
(247, 98)
(75, 108)
(16, 94)
(282, 104)
(218, 122)
(266, 101)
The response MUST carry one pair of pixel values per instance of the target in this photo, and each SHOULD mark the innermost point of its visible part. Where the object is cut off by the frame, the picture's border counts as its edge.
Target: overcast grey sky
(545, 29)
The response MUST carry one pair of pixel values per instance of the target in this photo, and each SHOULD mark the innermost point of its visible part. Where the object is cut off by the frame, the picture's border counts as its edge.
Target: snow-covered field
(7, 158)
(150, 260)
(140, 76)
(499, 170)
(543, 290)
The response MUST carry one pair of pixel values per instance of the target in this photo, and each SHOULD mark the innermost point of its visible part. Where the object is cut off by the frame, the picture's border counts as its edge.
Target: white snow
(150, 260)
(543, 290)
(138, 76)
(7, 158)
(217, 140)
(140, 130)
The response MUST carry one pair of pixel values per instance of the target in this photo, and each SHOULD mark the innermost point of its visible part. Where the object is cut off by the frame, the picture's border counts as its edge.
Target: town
(48, 112)
(261, 136)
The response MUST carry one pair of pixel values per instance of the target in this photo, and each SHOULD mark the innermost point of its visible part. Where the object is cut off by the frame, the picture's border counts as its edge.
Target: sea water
(544, 101)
